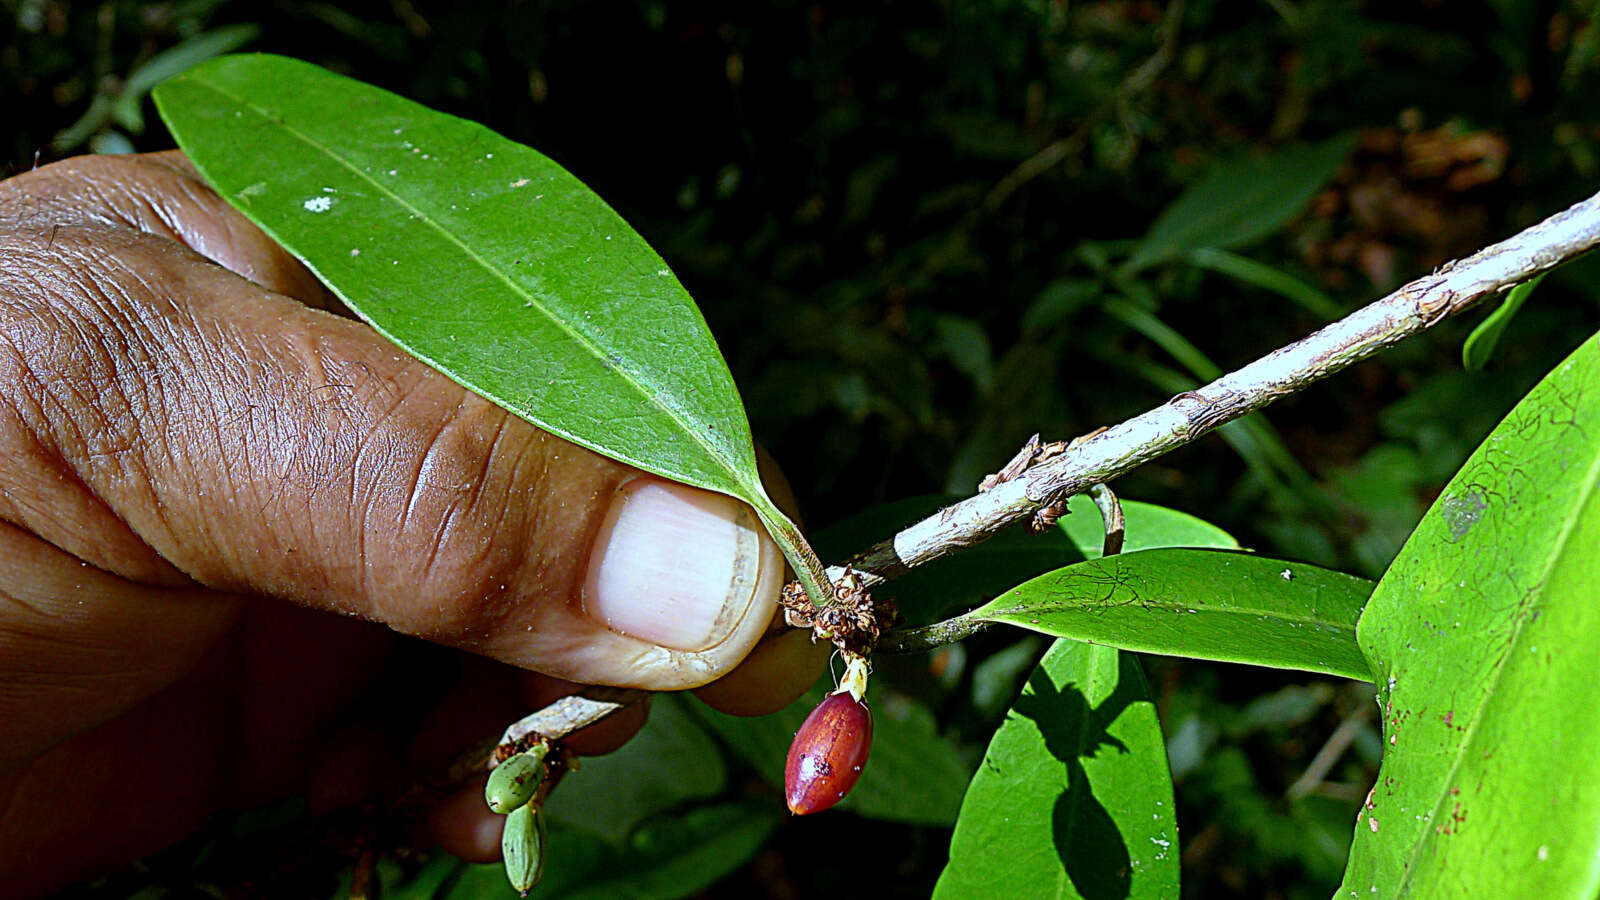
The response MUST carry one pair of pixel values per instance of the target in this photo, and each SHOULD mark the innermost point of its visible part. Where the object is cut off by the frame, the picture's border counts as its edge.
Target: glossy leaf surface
(1485, 637)
(479, 256)
(1073, 798)
(1205, 604)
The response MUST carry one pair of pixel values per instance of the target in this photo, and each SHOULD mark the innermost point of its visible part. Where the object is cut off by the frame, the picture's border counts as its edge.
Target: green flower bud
(522, 845)
(514, 782)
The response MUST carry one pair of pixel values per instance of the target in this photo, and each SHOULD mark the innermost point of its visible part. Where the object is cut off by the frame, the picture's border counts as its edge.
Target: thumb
(174, 421)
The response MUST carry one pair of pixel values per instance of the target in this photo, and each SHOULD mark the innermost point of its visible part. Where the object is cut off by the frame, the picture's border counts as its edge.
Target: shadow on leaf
(1086, 837)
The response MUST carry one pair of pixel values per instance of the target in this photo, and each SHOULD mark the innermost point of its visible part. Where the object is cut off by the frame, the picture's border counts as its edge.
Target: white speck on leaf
(520, 182)
(318, 204)
(355, 251)
(1544, 852)
(1286, 575)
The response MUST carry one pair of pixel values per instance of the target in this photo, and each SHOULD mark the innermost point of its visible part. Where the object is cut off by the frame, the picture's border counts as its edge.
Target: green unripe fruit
(514, 782)
(522, 845)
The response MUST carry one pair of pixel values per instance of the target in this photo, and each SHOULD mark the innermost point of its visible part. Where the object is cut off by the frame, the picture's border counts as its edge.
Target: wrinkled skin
(226, 512)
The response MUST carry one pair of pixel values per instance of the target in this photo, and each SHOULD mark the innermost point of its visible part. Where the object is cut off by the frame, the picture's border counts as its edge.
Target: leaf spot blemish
(1461, 513)
(520, 182)
(318, 204)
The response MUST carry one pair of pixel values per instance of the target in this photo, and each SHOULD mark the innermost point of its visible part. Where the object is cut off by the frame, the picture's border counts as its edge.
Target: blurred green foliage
(923, 232)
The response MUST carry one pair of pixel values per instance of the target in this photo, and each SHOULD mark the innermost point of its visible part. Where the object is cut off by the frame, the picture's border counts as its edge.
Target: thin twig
(1115, 451)
(1411, 310)
(1321, 764)
(913, 640)
(1061, 149)
(570, 714)
(555, 721)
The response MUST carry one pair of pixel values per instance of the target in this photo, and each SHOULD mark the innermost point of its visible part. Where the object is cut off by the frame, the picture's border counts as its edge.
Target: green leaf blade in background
(1203, 604)
(1074, 797)
(674, 856)
(1147, 527)
(128, 110)
(1480, 344)
(481, 257)
(1483, 635)
(1240, 201)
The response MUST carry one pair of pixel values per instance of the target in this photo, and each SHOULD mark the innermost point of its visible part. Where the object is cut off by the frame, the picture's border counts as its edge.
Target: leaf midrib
(483, 263)
(1157, 606)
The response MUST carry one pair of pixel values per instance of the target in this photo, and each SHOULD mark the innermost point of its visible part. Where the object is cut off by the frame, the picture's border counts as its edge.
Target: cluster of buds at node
(831, 747)
(853, 622)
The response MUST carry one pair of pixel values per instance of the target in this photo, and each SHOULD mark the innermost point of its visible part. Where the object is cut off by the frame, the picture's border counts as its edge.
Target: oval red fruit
(828, 754)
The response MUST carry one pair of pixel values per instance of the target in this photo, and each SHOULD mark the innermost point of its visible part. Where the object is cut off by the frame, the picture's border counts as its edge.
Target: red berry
(828, 754)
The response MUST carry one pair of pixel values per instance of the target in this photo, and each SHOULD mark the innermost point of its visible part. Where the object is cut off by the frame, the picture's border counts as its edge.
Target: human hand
(225, 511)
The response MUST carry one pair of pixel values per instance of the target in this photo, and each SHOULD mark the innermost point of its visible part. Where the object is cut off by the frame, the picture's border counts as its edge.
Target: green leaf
(1240, 201)
(1204, 604)
(670, 762)
(675, 856)
(1267, 278)
(913, 775)
(410, 881)
(1483, 635)
(964, 342)
(128, 111)
(959, 580)
(1073, 798)
(1480, 344)
(1147, 527)
(482, 258)
(965, 579)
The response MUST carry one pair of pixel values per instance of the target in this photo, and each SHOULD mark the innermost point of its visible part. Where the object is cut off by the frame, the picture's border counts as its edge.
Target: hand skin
(227, 511)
